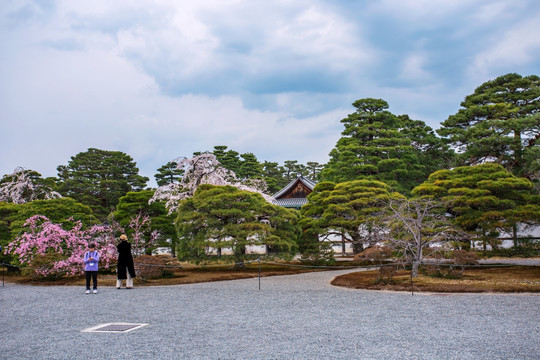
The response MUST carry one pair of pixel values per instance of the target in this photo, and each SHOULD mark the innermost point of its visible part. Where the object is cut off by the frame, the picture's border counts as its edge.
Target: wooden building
(295, 193)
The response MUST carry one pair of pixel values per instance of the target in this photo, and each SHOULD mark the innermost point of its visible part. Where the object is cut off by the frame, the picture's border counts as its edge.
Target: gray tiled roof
(293, 202)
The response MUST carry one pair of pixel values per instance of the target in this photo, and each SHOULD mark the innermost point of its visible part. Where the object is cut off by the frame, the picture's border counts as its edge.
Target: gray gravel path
(512, 261)
(291, 317)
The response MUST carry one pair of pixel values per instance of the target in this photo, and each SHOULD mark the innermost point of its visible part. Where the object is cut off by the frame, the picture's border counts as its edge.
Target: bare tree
(418, 224)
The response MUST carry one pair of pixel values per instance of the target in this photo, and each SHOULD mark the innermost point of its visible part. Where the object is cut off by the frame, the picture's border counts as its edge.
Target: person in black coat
(125, 269)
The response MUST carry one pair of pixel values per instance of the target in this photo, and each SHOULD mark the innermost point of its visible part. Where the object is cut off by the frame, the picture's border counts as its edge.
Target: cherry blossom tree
(203, 169)
(143, 237)
(23, 186)
(64, 246)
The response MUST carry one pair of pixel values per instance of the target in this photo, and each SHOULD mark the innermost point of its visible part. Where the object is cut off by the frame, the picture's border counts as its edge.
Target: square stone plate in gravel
(114, 328)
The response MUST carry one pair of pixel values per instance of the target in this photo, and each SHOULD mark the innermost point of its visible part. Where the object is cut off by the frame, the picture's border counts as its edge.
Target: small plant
(527, 248)
(443, 271)
(462, 257)
(455, 269)
(318, 254)
(386, 275)
(374, 255)
(149, 267)
(42, 268)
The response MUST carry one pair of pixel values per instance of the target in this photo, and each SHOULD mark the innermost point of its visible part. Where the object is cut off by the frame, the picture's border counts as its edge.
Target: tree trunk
(414, 269)
(173, 249)
(419, 255)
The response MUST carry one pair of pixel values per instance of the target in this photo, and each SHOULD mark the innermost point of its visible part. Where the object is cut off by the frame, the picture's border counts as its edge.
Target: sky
(162, 79)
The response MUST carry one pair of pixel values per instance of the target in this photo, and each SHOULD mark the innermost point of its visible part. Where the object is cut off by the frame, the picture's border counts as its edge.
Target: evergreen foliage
(8, 213)
(247, 166)
(229, 159)
(499, 122)
(349, 209)
(484, 199)
(98, 178)
(226, 217)
(250, 167)
(168, 174)
(273, 175)
(378, 145)
(138, 203)
(59, 211)
(313, 169)
(293, 169)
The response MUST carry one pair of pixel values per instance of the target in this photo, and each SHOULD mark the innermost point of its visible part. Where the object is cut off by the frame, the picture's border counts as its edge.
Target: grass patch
(490, 279)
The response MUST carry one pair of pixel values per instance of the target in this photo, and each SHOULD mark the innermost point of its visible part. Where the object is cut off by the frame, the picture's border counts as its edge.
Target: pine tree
(98, 178)
(220, 217)
(168, 174)
(349, 209)
(378, 145)
(499, 122)
(250, 167)
(484, 199)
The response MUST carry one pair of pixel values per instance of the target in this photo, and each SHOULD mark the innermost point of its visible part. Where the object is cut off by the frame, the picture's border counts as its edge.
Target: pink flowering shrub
(65, 248)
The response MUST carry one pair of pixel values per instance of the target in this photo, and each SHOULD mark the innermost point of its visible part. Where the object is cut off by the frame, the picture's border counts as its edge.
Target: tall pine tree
(98, 178)
(379, 145)
(499, 122)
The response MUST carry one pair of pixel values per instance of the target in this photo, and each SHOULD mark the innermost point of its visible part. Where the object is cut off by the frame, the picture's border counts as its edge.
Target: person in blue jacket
(91, 259)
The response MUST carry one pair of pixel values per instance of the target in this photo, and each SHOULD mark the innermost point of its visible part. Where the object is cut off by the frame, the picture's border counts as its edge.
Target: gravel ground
(291, 317)
(511, 261)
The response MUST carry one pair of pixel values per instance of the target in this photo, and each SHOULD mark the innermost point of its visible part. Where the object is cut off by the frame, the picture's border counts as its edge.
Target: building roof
(294, 193)
(307, 182)
(291, 203)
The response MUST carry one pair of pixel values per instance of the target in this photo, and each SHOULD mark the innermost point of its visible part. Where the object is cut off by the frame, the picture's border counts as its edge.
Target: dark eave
(288, 190)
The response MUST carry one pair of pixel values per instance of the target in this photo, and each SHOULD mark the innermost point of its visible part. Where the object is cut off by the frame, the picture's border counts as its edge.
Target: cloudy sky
(165, 78)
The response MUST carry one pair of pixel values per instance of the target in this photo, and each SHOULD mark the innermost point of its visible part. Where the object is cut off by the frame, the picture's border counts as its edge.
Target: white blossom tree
(23, 186)
(203, 169)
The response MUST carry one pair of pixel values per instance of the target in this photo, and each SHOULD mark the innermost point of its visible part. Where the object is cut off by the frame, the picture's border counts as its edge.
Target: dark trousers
(92, 274)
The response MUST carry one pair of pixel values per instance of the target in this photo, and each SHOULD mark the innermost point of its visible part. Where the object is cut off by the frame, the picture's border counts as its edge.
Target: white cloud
(428, 11)
(160, 79)
(316, 35)
(413, 69)
(518, 45)
(96, 98)
(188, 47)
